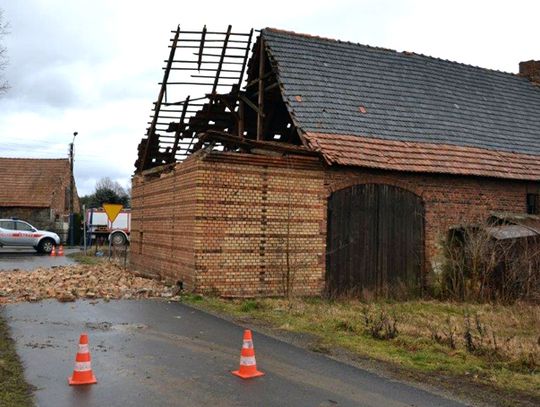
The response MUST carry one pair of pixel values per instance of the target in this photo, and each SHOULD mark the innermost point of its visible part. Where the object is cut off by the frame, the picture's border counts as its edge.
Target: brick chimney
(531, 70)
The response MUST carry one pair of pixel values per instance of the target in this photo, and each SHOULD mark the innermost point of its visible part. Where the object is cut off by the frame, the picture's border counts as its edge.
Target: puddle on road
(30, 260)
(35, 345)
(99, 326)
(130, 327)
(107, 326)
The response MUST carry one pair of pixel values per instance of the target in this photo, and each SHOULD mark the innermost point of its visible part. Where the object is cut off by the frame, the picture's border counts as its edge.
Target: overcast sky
(92, 66)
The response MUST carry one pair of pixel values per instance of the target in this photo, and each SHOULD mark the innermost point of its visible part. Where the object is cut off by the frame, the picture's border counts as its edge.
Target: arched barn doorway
(375, 240)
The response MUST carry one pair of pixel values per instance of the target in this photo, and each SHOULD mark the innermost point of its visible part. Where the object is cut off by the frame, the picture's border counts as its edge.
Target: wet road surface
(28, 259)
(155, 353)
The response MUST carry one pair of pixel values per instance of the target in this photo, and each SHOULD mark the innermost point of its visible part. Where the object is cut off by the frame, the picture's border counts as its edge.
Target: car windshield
(7, 224)
(24, 226)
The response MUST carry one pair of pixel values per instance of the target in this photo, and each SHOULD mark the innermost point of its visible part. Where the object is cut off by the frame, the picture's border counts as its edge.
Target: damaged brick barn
(312, 165)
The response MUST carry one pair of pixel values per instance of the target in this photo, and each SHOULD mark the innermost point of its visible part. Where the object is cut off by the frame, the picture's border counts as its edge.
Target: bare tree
(107, 183)
(3, 52)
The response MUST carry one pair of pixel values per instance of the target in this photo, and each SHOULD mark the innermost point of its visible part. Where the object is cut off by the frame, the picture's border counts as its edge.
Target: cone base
(72, 382)
(247, 376)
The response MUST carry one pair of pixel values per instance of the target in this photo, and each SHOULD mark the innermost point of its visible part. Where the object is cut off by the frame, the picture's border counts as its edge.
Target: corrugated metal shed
(511, 232)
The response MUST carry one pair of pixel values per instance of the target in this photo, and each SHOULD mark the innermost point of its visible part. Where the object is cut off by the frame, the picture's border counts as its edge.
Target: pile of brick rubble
(67, 283)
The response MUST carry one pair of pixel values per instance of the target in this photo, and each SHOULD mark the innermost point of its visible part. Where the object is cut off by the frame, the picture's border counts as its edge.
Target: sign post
(84, 229)
(112, 211)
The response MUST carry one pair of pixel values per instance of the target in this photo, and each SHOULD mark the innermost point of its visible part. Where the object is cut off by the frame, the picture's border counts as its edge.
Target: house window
(533, 204)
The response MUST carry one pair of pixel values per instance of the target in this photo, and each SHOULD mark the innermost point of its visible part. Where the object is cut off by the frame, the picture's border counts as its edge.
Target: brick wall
(448, 200)
(239, 224)
(38, 217)
(261, 220)
(163, 223)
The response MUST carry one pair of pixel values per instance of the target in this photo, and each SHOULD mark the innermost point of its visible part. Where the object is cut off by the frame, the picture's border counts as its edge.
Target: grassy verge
(118, 256)
(488, 345)
(14, 391)
(89, 259)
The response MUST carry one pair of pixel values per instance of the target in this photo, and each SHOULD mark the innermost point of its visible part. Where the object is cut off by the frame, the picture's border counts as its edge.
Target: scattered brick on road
(67, 283)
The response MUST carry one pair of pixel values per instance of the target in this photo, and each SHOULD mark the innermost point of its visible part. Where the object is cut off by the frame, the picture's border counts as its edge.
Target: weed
(188, 297)
(250, 305)
(81, 258)
(378, 324)
(345, 326)
(445, 336)
(468, 335)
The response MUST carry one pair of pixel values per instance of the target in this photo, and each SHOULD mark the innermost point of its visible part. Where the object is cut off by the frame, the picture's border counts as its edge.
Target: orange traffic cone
(60, 250)
(53, 252)
(248, 365)
(82, 374)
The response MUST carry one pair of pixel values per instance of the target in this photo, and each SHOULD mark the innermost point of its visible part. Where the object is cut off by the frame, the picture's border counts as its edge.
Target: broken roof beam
(205, 53)
(221, 58)
(246, 57)
(260, 98)
(152, 138)
(179, 129)
(214, 33)
(228, 139)
(201, 48)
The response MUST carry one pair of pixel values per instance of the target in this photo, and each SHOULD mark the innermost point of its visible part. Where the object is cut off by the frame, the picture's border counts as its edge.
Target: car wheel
(45, 246)
(118, 239)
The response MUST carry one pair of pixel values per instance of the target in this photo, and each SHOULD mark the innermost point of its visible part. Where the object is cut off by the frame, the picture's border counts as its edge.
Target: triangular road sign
(112, 210)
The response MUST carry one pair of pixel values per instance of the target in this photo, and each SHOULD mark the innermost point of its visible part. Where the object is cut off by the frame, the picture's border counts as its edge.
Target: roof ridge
(317, 37)
(28, 158)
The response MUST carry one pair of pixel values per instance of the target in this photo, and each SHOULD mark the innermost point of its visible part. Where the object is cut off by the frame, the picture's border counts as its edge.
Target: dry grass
(14, 391)
(489, 344)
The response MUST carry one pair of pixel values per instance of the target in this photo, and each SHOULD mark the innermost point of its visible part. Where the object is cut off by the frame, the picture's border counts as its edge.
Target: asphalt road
(154, 353)
(28, 259)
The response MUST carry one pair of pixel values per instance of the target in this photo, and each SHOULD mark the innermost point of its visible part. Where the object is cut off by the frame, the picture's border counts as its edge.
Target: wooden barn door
(375, 240)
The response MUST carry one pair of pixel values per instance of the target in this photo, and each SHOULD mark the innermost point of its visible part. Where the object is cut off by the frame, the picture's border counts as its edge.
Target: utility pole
(71, 231)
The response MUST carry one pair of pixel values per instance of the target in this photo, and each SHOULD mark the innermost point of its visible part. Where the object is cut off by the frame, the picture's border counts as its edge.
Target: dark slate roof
(405, 96)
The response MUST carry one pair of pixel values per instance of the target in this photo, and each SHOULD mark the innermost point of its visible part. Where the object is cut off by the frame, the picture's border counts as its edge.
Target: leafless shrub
(480, 268)
(379, 324)
(445, 336)
(291, 262)
(468, 335)
(345, 326)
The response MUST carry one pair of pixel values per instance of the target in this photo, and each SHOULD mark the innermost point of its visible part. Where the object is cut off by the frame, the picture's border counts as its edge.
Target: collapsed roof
(363, 106)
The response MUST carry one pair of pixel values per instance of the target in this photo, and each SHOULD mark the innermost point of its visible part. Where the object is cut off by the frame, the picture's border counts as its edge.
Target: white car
(15, 232)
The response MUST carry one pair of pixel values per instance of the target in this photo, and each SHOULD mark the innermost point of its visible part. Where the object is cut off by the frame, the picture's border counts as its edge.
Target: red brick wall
(257, 211)
(224, 224)
(163, 223)
(448, 200)
(229, 223)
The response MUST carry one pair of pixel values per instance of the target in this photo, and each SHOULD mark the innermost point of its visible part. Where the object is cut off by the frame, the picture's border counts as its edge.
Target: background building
(37, 191)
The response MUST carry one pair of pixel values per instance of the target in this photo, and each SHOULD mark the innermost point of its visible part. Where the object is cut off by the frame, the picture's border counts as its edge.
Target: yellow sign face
(112, 210)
